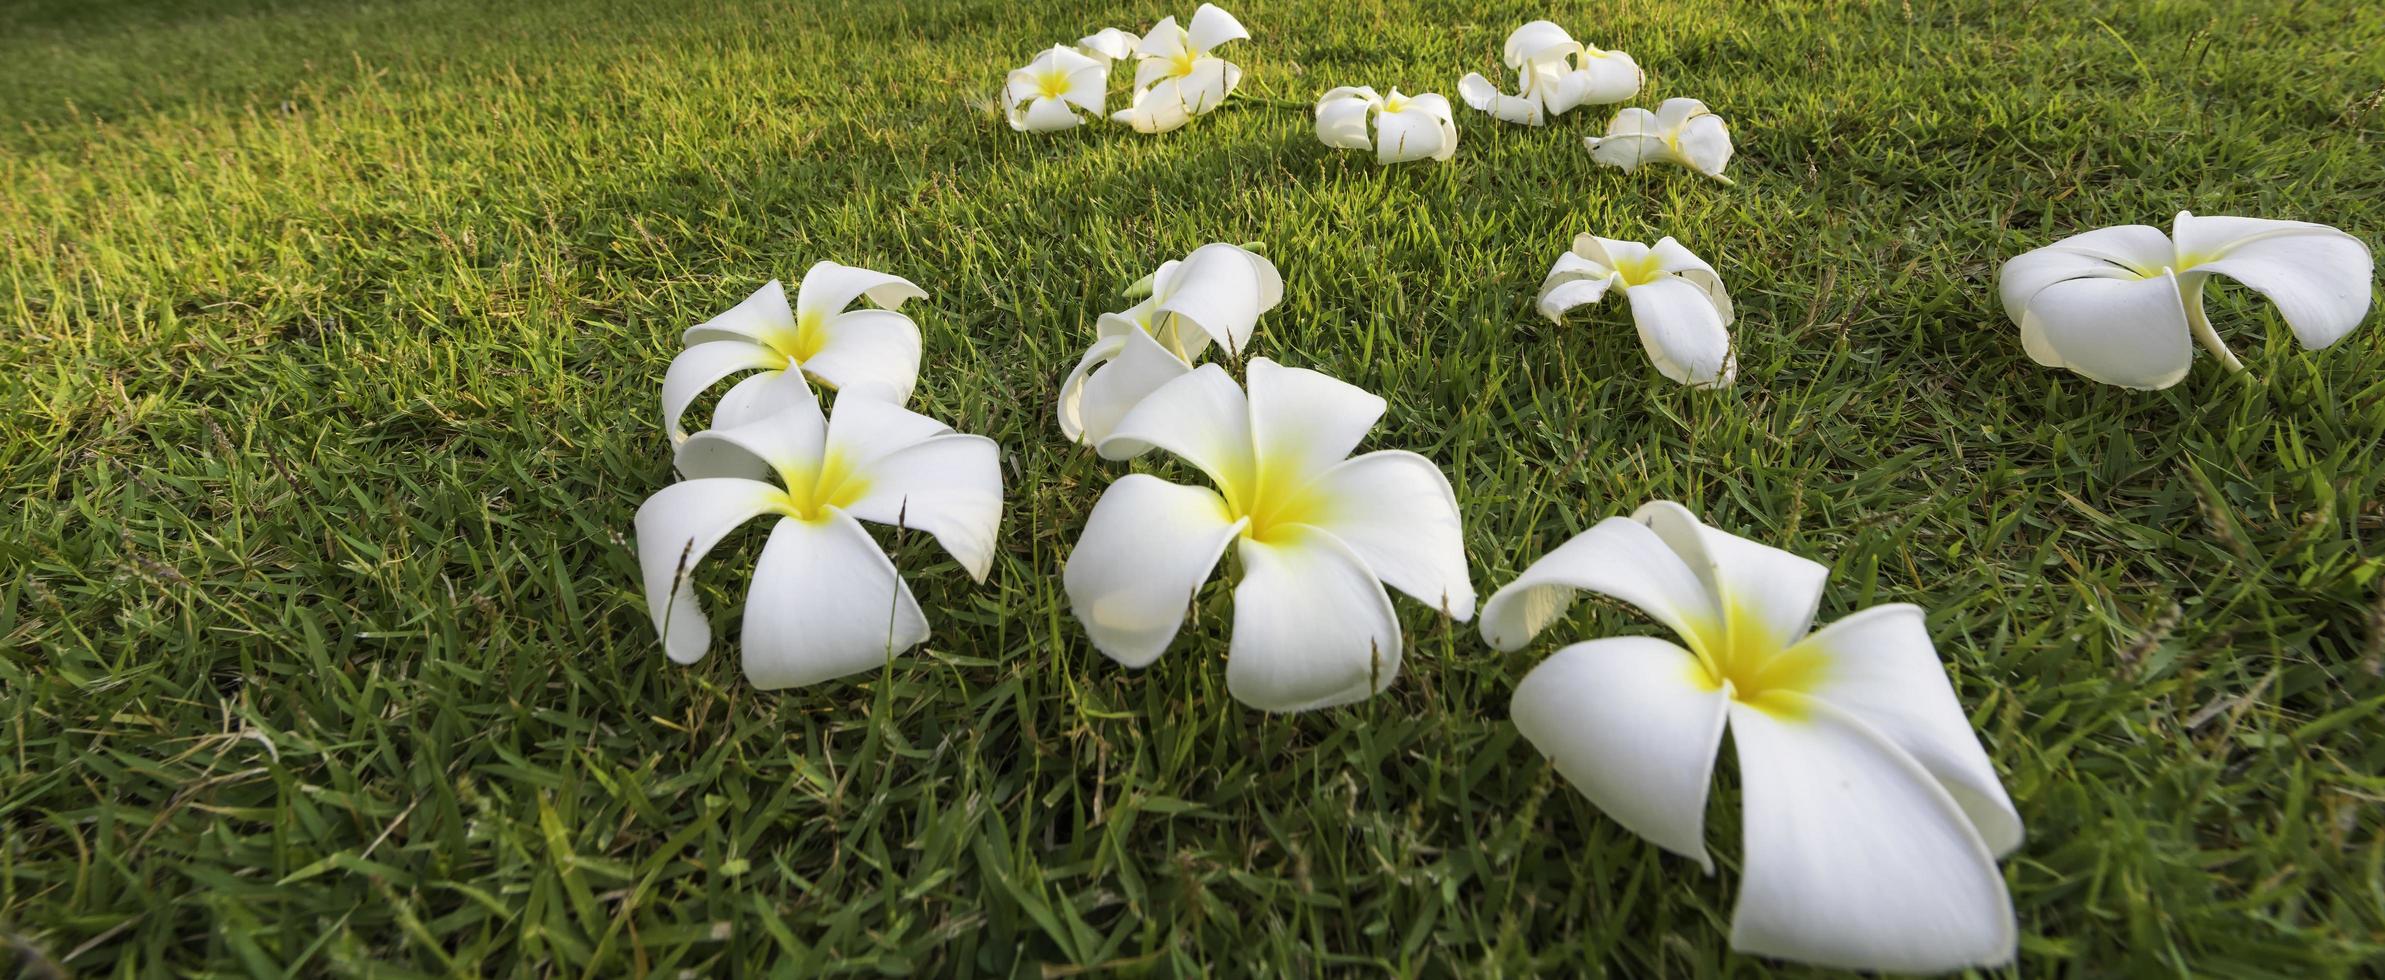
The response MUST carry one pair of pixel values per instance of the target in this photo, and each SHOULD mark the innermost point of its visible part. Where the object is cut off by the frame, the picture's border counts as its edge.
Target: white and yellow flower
(1178, 77)
(825, 601)
(1555, 73)
(2118, 304)
(1680, 131)
(874, 353)
(1059, 90)
(1873, 819)
(1318, 535)
(1677, 302)
(1217, 293)
(1405, 127)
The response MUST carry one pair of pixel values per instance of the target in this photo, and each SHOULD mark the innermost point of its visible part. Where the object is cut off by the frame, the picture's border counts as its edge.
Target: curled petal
(1575, 280)
(1212, 26)
(1397, 513)
(1634, 725)
(757, 319)
(825, 603)
(949, 486)
(1202, 417)
(1413, 133)
(1303, 422)
(698, 368)
(1479, 93)
(1619, 557)
(1883, 670)
(877, 349)
(1680, 261)
(1855, 857)
(829, 287)
(1767, 596)
(1045, 116)
(2132, 333)
(1685, 335)
(1341, 118)
(761, 395)
(2122, 252)
(1114, 376)
(1088, 87)
(676, 528)
(788, 442)
(1145, 552)
(2318, 276)
(1222, 289)
(1705, 145)
(864, 430)
(1539, 41)
(1312, 626)
(1109, 44)
(1608, 77)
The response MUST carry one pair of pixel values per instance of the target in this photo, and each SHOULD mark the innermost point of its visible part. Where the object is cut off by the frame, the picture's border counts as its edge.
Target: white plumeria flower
(871, 352)
(825, 601)
(2117, 304)
(1056, 91)
(1406, 127)
(1215, 294)
(1179, 78)
(1109, 45)
(1318, 535)
(1556, 74)
(1681, 131)
(1872, 819)
(1677, 302)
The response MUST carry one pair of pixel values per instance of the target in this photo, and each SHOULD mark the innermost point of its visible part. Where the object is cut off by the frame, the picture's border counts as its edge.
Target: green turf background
(331, 336)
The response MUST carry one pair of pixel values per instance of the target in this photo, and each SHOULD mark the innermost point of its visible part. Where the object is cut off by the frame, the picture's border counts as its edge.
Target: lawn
(332, 338)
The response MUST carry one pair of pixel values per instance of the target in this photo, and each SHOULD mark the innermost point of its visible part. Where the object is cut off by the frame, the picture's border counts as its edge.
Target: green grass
(332, 336)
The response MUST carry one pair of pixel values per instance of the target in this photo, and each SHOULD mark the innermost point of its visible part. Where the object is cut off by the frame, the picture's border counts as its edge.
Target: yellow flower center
(1397, 103)
(1182, 65)
(811, 491)
(1052, 84)
(806, 341)
(1275, 499)
(1761, 672)
(1639, 270)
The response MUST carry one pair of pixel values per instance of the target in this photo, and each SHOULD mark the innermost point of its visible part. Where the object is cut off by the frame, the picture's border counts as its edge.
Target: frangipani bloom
(872, 352)
(1109, 45)
(2117, 304)
(825, 601)
(1872, 818)
(1216, 293)
(1681, 131)
(1407, 127)
(1048, 94)
(1318, 536)
(1677, 302)
(1557, 73)
(1178, 78)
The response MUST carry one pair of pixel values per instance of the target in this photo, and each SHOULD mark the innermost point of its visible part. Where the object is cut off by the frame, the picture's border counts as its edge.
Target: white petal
(1088, 87)
(757, 318)
(878, 349)
(863, 430)
(1116, 375)
(1223, 289)
(2121, 332)
(1109, 44)
(1767, 596)
(1145, 552)
(949, 486)
(1438, 108)
(1212, 26)
(1163, 40)
(1683, 332)
(2122, 252)
(1576, 279)
(1478, 92)
(1203, 417)
(1410, 134)
(1881, 668)
(825, 603)
(1855, 858)
(1539, 40)
(1302, 422)
(1634, 724)
(1628, 151)
(1706, 145)
(1159, 109)
(698, 368)
(1396, 511)
(788, 442)
(2317, 276)
(1312, 627)
(1680, 261)
(1047, 116)
(1609, 77)
(829, 287)
(1673, 114)
(1560, 90)
(676, 527)
(761, 395)
(1619, 557)
(1341, 119)
(1017, 88)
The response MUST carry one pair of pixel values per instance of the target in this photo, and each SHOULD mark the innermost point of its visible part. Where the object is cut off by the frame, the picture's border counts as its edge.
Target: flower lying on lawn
(1677, 302)
(872, 352)
(1681, 131)
(1406, 127)
(1872, 820)
(1178, 77)
(1050, 93)
(1556, 73)
(1108, 45)
(825, 601)
(1216, 293)
(1318, 535)
(2117, 304)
